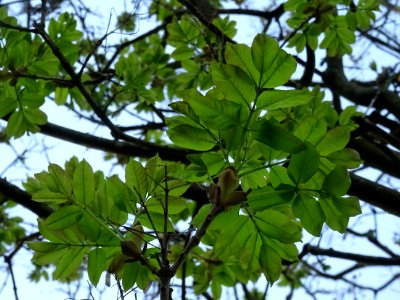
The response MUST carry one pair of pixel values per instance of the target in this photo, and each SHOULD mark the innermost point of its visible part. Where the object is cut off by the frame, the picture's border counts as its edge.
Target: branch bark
(14, 193)
(375, 194)
(335, 78)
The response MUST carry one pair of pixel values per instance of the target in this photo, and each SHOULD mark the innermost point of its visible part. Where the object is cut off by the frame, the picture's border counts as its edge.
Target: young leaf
(303, 165)
(96, 265)
(274, 65)
(278, 138)
(83, 183)
(136, 178)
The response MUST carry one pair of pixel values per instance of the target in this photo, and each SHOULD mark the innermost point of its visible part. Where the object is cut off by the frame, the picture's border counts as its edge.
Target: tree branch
(335, 78)
(14, 193)
(367, 259)
(375, 194)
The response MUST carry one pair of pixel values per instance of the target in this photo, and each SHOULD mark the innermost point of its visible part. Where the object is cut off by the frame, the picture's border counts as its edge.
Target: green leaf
(129, 275)
(271, 263)
(69, 263)
(309, 211)
(60, 95)
(96, 265)
(334, 218)
(278, 138)
(7, 105)
(136, 178)
(155, 221)
(240, 55)
(274, 65)
(277, 226)
(190, 137)
(48, 254)
(83, 183)
(63, 217)
(348, 206)
(16, 124)
(277, 99)
(335, 139)
(218, 114)
(267, 197)
(286, 251)
(118, 192)
(337, 182)
(61, 178)
(175, 205)
(182, 53)
(303, 165)
(144, 278)
(234, 83)
(45, 195)
(348, 158)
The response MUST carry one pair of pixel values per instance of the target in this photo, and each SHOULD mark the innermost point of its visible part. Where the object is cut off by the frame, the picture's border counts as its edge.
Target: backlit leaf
(96, 265)
(83, 183)
(274, 64)
(275, 99)
(136, 178)
(63, 217)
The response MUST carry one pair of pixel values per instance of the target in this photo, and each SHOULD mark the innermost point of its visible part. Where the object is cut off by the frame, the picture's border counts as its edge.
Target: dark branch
(375, 194)
(367, 259)
(14, 193)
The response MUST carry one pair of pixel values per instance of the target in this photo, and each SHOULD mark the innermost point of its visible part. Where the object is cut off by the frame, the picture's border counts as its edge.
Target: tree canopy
(235, 139)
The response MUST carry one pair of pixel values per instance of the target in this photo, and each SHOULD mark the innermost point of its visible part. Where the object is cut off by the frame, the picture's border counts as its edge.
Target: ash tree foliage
(235, 153)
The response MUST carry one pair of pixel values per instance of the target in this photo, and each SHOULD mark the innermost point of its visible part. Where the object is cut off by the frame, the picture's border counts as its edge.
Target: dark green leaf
(348, 206)
(278, 137)
(261, 199)
(337, 182)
